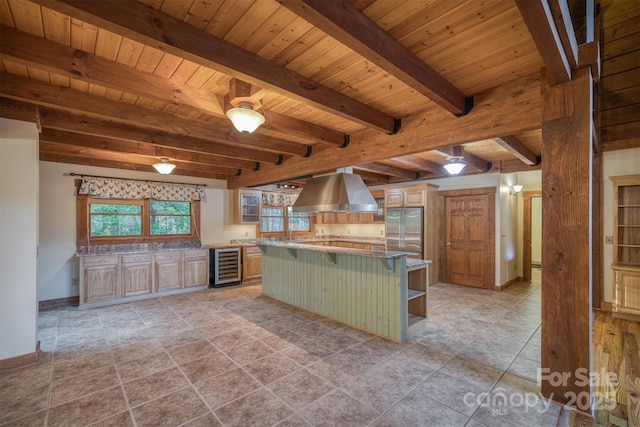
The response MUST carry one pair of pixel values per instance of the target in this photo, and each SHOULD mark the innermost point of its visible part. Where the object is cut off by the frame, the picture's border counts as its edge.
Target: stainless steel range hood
(334, 193)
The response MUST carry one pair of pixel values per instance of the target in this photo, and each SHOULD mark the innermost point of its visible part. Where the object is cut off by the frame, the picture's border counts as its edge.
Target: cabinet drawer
(167, 256)
(196, 253)
(136, 258)
(100, 260)
(251, 249)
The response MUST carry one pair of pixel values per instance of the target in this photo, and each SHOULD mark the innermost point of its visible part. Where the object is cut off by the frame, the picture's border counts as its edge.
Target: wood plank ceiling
(393, 88)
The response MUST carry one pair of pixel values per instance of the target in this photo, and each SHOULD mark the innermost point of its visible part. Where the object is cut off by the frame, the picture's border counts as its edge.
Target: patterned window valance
(274, 198)
(137, 190)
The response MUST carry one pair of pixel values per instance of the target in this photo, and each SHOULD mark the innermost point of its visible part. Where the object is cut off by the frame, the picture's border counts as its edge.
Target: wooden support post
(566, 239)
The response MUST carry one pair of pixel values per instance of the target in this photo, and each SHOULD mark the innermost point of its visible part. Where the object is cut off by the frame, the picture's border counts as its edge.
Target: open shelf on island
(412, 293)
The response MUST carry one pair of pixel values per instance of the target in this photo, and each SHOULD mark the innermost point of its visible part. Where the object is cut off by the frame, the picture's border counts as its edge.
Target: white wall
(614, 163)
(509, 206)
(58, 264)
(18, 238)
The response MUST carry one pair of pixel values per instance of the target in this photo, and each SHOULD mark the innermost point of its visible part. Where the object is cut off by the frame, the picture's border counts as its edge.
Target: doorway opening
(532, 234)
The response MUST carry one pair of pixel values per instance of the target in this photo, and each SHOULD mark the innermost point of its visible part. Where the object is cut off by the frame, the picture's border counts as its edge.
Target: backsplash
(137, 247)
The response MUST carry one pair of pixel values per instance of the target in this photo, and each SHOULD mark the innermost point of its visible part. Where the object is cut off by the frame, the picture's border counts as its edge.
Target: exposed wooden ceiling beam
(30, 50)
(418, 163)
(280, 123)
(562, 18)
(92, 126)
(511, 108)
(149, 26)
(465, 157)
(94, 153)
(89, 161)
(28, 90)
(518, 149)
(137, 148)
(388, 170)
(372, 178)
(343, 21)
(540, 22)
(510, 166)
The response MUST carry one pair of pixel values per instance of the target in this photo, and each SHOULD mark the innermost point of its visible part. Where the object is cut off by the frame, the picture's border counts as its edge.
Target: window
(115, 221)
(111, 219)
(272, 220)
(298, 221)
(284, 221)
(170, 217)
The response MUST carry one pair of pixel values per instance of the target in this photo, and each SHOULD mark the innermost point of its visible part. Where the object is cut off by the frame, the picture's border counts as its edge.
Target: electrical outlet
(381, 232)
(74, 282)
(608, 240)
(246, 233)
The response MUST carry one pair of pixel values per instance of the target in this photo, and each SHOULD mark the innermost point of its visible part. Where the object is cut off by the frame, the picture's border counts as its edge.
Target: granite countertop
(299, 244)
(142, 248)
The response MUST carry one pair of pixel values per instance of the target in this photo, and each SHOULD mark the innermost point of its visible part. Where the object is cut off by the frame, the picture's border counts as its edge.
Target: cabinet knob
(448, 243)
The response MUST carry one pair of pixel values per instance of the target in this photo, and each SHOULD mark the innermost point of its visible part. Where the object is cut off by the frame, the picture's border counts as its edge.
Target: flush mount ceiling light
(454, 167)
(165, 167)
(244, 118)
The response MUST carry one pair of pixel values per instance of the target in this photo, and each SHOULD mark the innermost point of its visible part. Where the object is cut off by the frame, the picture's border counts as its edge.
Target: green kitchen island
(380, 292)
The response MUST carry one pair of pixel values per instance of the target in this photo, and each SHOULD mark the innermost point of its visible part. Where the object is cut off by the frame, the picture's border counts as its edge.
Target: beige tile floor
(233, 357)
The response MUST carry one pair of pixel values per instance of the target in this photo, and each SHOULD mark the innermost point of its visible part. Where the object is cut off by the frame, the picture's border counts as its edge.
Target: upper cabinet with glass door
(626, 193)
(248, 206)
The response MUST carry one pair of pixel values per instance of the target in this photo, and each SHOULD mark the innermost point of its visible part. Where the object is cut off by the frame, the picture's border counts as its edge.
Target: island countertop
(318, 247)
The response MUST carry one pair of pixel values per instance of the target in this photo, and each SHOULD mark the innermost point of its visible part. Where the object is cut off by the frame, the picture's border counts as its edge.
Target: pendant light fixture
(244, 118)
(454, 167)
(165, 167)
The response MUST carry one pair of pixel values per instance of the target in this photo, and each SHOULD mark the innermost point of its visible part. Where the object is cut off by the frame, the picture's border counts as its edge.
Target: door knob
(448, 243)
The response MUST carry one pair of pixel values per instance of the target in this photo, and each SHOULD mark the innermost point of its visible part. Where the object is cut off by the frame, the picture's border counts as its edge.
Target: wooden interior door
(467, 240)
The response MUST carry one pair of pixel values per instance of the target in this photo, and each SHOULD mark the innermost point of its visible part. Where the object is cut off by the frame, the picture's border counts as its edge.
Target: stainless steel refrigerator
(404, 231)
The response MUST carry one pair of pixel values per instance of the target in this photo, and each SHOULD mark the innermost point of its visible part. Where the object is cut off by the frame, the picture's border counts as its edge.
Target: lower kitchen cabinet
(196, 268)
(112, 279)
(137, 275)
(626, 299)
(251, 263)
(100, 279)
(168, 271)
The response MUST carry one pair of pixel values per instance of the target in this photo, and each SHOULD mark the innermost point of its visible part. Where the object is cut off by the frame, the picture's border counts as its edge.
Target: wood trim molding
(58, 302)
(507, 284)
(526, 233)
(20, 361)
(468, 192)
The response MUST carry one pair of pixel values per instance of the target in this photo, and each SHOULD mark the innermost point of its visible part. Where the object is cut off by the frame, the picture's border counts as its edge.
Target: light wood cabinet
(137, 274)
(168, 271)
(111, 279)
(248, 205)
(329, 218)
(100, 279)
(251, 263)
(626, 246)
(399, 198)
(196, 268)
(627, 292)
